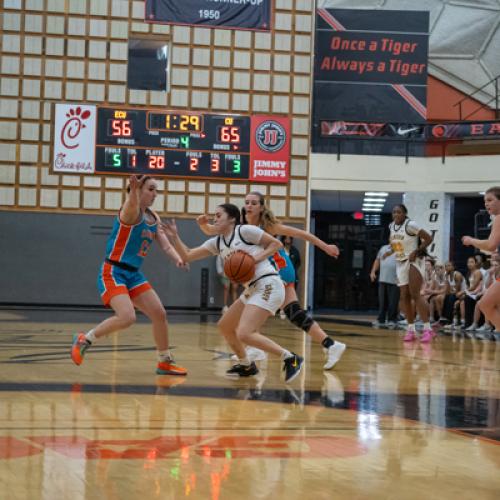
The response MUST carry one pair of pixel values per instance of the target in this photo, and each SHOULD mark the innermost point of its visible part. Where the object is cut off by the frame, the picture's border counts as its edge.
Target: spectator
(487, 327)
(436, 300)
(388, 290)
(466, 299)
(455, 283)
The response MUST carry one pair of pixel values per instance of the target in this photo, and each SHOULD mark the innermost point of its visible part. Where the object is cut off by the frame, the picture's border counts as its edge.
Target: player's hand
(373, 276)
(170, 228)
(467, 241)
(412, 256)
(332, 251)
(180, 264)
(134, 183)
(202, 219)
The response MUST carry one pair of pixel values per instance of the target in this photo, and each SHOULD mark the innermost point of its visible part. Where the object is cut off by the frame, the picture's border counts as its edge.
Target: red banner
(270, 149)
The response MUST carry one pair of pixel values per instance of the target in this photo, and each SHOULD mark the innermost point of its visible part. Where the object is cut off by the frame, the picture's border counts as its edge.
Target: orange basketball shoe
(80, 345)
(169, 367)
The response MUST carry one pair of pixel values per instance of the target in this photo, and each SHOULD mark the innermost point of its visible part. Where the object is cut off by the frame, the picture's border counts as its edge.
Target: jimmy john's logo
(270, 136)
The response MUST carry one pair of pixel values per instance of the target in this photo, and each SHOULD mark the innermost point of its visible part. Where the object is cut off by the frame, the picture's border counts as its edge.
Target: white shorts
(403, 270)
(267, 293)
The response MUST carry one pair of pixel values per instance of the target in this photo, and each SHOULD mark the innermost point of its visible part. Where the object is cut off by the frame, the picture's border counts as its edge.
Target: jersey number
(144, 248)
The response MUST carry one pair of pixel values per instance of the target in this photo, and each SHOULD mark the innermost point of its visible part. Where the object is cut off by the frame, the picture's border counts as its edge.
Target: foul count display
(172, 143)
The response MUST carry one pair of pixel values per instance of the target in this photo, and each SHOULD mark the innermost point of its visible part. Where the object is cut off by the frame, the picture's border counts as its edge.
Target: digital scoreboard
(171, 143)
(91, 139)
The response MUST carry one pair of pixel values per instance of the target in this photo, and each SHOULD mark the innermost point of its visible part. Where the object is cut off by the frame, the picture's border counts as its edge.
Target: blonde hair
(267, 219)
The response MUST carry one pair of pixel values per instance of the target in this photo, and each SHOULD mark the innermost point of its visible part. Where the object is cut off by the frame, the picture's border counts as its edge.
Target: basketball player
(262, 297)
(256, 213)
(122, 285)
(408, 243)
(490, 303)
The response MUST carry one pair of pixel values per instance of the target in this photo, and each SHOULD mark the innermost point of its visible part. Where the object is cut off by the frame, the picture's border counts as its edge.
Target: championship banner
(270, 149)
(371, 65)
(232, 14)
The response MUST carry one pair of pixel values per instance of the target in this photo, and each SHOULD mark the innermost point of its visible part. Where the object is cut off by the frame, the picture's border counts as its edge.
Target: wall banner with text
(241, 14)
(371, 65)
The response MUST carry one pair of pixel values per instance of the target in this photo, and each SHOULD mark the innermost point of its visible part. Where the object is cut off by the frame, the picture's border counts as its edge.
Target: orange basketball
(239, 267)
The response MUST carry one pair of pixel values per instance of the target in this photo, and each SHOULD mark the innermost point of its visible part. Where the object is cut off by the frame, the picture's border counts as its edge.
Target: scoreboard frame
(126, 140)
(196, 145)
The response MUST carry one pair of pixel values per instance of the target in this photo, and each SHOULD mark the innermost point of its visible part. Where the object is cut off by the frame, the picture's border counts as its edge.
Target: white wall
(459, 174)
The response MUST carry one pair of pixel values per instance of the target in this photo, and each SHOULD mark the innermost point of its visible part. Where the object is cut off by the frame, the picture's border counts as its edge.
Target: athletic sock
(286, 354)
(90, 336)
(427, 326)
(164, 356)
(411, 327)
(244, 361)
(327, 342)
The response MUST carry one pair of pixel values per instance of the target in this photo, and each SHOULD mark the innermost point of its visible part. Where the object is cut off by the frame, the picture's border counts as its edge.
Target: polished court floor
(391, 421)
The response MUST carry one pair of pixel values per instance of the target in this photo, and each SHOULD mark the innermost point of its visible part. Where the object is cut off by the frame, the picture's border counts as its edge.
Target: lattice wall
(76, 51)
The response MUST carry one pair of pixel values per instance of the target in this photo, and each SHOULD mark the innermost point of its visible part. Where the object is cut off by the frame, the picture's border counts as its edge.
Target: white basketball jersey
(404, 239)
(244, 238)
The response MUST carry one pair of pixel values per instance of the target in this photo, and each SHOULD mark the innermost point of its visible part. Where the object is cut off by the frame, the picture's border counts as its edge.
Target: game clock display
(172, 143)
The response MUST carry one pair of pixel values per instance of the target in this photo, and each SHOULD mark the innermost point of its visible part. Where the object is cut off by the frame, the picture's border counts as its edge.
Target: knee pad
(298, 316)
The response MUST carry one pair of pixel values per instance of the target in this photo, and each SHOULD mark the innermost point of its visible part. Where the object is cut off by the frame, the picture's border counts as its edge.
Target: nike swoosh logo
(403, 131)
(294, 364)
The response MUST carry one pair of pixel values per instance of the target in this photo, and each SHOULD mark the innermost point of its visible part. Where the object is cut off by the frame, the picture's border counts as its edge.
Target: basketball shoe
(334, 353)
(427, 336)
(243, 370)
(410, 336)
(169, 367)
(292, 366)
(80, 345)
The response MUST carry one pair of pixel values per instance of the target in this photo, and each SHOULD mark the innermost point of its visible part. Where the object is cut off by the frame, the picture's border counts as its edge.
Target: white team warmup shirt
(265, 290)
(404, 240)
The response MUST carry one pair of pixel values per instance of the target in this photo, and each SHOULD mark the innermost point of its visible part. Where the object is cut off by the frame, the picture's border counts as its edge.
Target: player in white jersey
(262, 297)
(408, 242)
(490, 303)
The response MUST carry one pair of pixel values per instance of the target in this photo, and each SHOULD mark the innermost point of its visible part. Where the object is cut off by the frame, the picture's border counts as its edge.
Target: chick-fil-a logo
(73, 126)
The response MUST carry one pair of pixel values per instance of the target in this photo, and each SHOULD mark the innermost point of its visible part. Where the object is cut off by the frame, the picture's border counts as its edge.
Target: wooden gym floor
(391, 421)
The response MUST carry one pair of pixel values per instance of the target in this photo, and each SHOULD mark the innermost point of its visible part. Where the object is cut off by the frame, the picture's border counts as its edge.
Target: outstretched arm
(131, 210)
(271, 246)
(187, 254)
(167, 247)
(489, 245)
(205, 226)
(284, 230)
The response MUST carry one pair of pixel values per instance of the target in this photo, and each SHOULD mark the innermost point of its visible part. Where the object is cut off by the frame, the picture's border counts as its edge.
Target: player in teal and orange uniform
(122, 285)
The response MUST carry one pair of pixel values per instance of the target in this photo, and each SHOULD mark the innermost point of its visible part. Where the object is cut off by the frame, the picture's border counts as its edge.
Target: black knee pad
(299, 317)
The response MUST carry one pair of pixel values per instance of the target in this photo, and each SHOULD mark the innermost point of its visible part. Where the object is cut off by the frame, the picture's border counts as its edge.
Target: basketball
(239, 267)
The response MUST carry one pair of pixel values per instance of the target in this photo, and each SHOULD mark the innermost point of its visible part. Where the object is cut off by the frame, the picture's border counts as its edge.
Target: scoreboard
(89, 139)
(184, 144)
